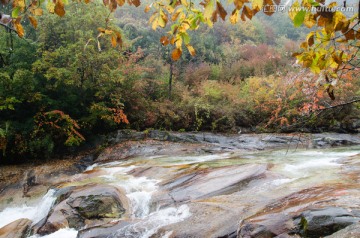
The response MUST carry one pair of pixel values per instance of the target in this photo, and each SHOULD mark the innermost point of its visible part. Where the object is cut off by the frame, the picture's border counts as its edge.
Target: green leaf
(186, 38)
(15, 12)
(299, 18)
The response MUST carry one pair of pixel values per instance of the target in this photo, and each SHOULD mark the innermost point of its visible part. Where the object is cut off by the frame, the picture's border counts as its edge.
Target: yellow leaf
(155, 24)
(38, 12)
(33, 21)
(341, 40)
(120, 2)
(102, 30)
(147, 9)
(239, 4)
(345, 26)
(304, 45)
(175, 16)
(338, 17)
(184, 3)
(19, 29)
(162, 19)
(108, 32)
(59, 8)
(329, 27)
(176, 54)
(169, 9)
(50, 6)
(19, 3)
(164, 40)
(118, 38)
(234, 16)
(294, 9)
(209, 9)
(309, 20)
(113, 41)
(332, 5)
(172, 41)
(178, 42)
(310, 38)
(191, 50)
(257, 5)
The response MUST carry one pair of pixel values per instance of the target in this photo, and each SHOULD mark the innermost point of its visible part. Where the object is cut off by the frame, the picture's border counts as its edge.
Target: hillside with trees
(66, 82)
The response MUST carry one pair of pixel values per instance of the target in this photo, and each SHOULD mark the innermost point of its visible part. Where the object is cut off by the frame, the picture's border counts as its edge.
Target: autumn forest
(67, 78)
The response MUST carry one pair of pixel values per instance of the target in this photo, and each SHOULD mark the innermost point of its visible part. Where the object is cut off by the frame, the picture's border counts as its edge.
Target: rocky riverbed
(160, 184)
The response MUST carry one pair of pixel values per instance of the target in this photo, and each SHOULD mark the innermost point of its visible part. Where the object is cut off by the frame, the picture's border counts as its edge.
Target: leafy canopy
(331, 48)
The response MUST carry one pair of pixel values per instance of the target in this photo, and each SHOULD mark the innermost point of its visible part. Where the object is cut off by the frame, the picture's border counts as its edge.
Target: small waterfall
(139, 190)
(34, 213)
(155, 220)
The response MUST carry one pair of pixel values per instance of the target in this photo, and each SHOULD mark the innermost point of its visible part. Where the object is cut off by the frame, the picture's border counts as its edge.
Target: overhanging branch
(340, 105)
(8, 27)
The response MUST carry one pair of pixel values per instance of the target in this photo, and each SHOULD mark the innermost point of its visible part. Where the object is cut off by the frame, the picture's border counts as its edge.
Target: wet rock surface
(16, 229)
(323, 222)
(215, 182)
(155, 183)
(87, 205)
(311, 223)
(102, 231)
(352, 231)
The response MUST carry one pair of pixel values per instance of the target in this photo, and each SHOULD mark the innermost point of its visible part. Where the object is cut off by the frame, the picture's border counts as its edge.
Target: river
(202, 195)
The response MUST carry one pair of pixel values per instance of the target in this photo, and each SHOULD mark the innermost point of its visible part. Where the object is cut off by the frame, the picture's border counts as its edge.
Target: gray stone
(352, 231)
(322, 222)
(92, 204)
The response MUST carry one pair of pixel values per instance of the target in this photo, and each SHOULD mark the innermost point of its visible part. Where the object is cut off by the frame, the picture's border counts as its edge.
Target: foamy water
(139, 190)
(295, 169)
(153, 222)
(34, 213)
(62, 233)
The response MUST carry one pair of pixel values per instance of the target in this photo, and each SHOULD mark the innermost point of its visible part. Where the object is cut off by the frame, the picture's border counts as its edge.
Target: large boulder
(16, 229)
(351, 231)
(326, 221)
(269, 225)
(90, 205)
(97, 206)
(311, 223)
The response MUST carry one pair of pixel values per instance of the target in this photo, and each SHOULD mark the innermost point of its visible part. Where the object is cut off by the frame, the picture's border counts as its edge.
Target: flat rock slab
(216, 182)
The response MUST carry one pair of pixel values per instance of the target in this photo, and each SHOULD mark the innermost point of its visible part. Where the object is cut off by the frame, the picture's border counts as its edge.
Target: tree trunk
(170, 79)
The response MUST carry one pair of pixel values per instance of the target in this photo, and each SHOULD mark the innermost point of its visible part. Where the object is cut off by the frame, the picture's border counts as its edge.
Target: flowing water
(167, 190)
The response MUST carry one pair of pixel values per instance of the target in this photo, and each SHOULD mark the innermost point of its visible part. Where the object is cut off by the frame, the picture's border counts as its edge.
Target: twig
(340, 105)
(8, 27)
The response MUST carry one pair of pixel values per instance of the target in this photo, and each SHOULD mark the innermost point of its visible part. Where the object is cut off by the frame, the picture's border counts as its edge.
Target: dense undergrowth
(63, 85)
